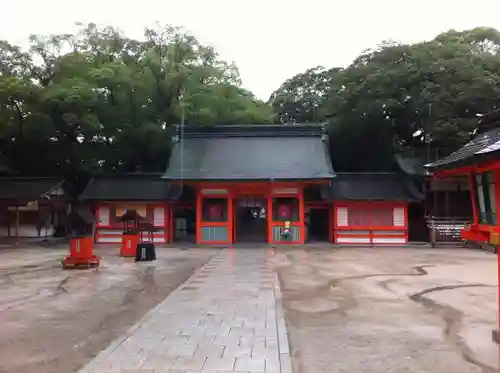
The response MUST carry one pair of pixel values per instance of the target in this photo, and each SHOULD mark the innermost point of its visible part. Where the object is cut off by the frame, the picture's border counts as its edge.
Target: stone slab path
(226, 318)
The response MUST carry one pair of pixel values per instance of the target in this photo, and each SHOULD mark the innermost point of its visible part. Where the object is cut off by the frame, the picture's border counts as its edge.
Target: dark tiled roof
(266, 152)
(252, 130)
(492, 117)
(26, 188)
(138, 187)
(374, 187)
(411, 165)
(483, 147)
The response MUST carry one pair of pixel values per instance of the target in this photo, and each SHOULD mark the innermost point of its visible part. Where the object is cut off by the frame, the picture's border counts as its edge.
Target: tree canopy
(398, 97)
(98, 101)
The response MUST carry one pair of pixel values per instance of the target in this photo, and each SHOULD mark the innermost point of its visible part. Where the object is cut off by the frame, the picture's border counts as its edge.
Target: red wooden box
(81, 247)
(129, 244)
(80, 253)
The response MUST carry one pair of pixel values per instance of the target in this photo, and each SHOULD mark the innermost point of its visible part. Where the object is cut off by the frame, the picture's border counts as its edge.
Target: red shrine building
(249, 181)
(479, 161)
(112, 196)
(256, 183)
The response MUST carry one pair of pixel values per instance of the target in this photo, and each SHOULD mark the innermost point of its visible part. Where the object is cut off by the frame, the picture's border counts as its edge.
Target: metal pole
(181, 136)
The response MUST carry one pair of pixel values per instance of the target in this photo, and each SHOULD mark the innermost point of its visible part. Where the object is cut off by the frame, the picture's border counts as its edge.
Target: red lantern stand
(131, 235)
(80, 253)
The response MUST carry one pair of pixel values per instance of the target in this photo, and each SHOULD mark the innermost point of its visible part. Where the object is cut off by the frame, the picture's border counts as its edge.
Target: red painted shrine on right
(479, 160)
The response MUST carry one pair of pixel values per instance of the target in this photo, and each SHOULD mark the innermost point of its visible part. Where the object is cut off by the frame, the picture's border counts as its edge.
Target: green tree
(397, 97)
(302, 98)
(97, 101)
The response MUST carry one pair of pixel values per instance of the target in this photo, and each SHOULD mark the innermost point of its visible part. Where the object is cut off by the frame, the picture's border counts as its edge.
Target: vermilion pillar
(198, 216)
(496, 337)
(496, 178)
(230, 217)
(269, 218)
(302, 216)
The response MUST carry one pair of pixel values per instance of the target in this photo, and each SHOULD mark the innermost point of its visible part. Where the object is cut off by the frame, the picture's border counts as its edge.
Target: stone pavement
(226, 318)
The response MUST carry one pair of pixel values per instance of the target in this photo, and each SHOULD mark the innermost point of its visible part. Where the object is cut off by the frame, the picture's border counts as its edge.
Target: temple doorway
(250, 223)
(184, 224)
(318, 224)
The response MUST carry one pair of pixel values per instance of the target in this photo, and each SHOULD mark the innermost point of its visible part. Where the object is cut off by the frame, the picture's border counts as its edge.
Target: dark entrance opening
(417, 226)
(185, 224)
(184, 216)
(318, 224)
(250, 221)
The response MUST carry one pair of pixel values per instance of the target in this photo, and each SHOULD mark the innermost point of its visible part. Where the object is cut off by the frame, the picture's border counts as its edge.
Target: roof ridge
(262, 130)
(368, 173)
(2, 178)
(151, 175)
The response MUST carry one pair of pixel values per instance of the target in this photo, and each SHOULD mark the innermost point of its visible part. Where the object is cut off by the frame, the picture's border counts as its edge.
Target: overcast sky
(270, 40)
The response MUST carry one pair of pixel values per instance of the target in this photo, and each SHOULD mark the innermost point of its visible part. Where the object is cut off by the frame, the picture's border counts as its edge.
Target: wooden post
(446, 203)
(496, 332)
(330, 223)
(434, 200)
(17, 223)
(230, 216)
(170, 228)
(472, 194)
(199, 205)
(269, 218)
(433, 232)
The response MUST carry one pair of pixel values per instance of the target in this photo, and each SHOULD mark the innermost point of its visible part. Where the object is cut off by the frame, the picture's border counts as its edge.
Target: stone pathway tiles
(226, 318)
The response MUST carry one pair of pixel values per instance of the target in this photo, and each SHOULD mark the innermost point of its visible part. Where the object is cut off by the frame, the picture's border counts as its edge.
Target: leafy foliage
(97, 101)
(398, 97)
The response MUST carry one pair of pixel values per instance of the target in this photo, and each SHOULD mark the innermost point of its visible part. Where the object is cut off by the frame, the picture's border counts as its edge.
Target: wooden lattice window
(371, 216)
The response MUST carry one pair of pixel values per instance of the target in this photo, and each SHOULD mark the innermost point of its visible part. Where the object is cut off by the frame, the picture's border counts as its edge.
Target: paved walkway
(226, 318)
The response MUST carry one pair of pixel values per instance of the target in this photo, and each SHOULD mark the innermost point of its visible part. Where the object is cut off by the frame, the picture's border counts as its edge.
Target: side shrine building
(260, 183)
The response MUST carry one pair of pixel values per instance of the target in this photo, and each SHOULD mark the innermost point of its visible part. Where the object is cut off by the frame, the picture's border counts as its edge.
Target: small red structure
(80, 253)
(131, 233)
(372, 208)
(112, 196)
(479, 160)
(129, 244)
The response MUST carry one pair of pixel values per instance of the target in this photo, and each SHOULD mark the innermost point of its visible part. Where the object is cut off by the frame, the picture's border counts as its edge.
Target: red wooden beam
(476, 168)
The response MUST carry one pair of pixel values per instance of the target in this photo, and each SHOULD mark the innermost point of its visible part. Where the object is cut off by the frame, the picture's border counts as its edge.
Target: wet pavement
(313, 307)
(390, 310)
(226, 318)
(56, 321)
